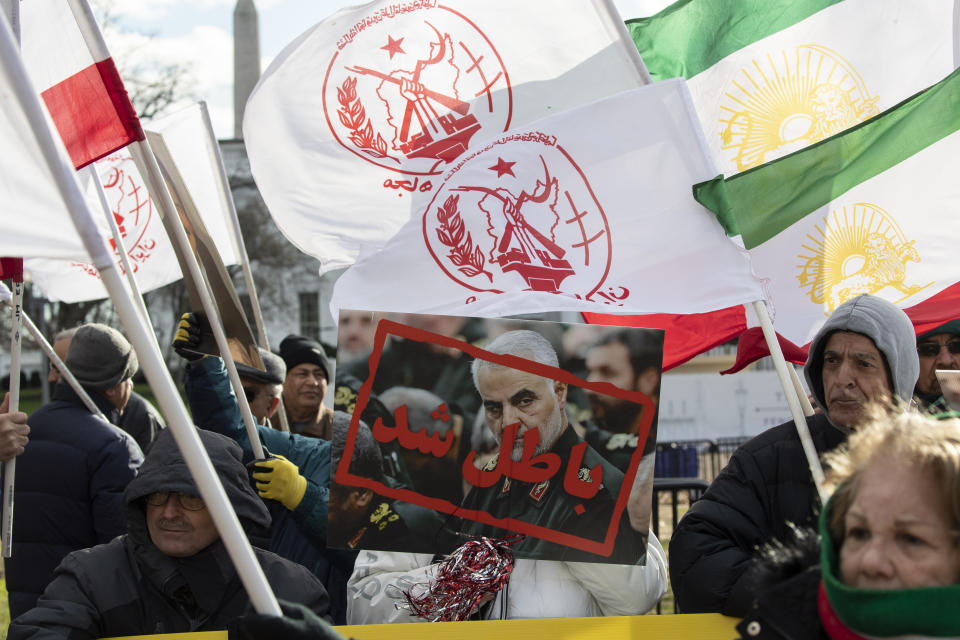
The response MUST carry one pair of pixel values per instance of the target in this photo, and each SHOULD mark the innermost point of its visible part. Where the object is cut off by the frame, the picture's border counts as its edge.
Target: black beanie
(299, 350)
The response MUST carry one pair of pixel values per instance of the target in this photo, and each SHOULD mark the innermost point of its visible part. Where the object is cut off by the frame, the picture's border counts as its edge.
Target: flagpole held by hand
(62, 172)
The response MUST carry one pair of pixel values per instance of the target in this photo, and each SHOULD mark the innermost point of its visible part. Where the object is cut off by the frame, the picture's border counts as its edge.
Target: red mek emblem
(411, 85)
(132, 210)
(520, 215)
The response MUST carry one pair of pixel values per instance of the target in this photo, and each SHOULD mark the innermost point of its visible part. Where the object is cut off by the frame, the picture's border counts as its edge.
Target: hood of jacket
(891, 332)
(164, 469)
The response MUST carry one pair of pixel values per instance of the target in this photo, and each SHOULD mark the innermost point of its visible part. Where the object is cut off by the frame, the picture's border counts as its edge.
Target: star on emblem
(503, 167)
(393, 46)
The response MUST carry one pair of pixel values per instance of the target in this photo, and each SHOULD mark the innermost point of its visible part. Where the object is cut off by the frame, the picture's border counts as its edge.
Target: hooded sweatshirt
(766, 486)
(129, 587)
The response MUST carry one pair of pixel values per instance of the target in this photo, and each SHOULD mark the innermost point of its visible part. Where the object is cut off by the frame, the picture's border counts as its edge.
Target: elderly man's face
(935, 353)
(512, 396)
(854, 374)
(175, 530)
(304, 387)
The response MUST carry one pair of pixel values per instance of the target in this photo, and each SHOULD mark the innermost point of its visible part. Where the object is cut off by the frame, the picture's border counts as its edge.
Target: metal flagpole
(799, 420)
(69, 378)
(248, 569)
(234, 222)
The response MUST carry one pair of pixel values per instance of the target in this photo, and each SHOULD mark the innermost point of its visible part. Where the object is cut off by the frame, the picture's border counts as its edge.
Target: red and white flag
(374, 104)
(149, 250)
(573, 212)
(77, 79)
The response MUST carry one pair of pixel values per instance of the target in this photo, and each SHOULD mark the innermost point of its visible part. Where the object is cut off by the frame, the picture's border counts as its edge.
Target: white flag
(32, 216)
(579, 211)
(375, 103)
(149, 250)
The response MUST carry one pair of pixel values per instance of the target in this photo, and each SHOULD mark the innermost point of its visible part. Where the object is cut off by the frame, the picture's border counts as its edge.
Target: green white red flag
(769, 77)
(870, 210)
(374, 104)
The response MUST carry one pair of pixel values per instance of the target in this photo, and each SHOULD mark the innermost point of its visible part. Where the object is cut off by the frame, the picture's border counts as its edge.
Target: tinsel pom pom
(477, 568)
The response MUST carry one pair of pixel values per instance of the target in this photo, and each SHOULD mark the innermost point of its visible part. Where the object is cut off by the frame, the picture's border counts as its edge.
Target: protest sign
(571, 486)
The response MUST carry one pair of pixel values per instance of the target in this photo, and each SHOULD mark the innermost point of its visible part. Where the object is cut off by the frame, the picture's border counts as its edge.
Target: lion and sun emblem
(785, 102)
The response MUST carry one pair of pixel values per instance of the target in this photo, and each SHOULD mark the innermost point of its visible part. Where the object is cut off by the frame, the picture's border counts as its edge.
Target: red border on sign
(603, 547)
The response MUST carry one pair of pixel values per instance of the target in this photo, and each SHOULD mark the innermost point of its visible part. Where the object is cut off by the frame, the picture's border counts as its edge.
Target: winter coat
(537, 588)
(299, 535)
(130, 587)
(767, 483)
(69, 490)
(141, 420)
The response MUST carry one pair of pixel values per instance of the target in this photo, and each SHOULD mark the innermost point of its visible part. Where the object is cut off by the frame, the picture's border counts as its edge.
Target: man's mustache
(174, 524)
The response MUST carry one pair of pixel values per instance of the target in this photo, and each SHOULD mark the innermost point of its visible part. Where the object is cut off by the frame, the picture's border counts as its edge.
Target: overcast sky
(198, 33)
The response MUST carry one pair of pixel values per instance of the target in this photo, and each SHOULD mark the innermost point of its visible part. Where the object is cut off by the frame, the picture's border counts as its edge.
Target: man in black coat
(865, 352)
(171, 573)
(72, 474)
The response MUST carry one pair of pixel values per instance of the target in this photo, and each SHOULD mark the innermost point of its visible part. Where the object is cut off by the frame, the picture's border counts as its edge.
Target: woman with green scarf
(889, 556)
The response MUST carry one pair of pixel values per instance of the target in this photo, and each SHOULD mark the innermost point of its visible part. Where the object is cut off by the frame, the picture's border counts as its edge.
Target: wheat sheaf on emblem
(467, 258)
(354, 117)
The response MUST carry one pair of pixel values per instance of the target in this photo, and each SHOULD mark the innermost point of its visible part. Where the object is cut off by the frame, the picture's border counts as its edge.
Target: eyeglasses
(250, 393)
(932, 349)
(187, 501)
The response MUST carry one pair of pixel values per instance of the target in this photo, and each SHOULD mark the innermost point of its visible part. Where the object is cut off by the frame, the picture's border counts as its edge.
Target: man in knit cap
(72, 474)
(308, 375)
(938, 348)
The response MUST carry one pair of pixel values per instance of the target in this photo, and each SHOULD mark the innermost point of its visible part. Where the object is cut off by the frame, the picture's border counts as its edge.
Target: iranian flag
(572, 212)
(78, 81)
(871, 210)
(769, 77)
(373, 106)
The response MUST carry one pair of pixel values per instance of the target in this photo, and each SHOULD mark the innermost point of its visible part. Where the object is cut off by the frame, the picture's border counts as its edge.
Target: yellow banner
(704, 626)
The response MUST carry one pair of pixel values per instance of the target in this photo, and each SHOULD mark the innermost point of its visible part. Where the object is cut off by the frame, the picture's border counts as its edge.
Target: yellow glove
(282, 482)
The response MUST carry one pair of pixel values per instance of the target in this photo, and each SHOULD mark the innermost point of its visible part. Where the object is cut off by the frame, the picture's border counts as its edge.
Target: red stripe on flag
(685, 335)
(93, 113)
(11, 269)
(926, 315)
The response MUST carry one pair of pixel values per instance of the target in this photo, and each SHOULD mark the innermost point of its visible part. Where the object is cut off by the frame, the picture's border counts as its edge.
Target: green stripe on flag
(760, 203)
(692, 35)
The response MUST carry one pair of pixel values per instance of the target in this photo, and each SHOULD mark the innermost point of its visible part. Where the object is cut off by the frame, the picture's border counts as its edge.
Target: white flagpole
(801, 392)
(789, 391)
(7, 298)
(150, 172)
(616, 26)
(234, 222)
(248, 569)
(10, 466)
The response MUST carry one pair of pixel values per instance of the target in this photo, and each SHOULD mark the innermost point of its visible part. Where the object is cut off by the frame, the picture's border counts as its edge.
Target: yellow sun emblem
(787, 102)
(857, 249)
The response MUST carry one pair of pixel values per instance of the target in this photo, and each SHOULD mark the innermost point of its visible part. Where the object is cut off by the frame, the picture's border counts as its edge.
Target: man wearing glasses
(171, 572)
(938, 348)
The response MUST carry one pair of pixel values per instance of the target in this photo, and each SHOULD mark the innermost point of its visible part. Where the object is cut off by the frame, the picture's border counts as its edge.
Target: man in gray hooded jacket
(170, 573)
(865, 352)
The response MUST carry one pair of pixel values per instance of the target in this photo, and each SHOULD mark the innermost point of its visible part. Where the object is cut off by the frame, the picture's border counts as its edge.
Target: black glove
(297, 623)
(187, 337)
